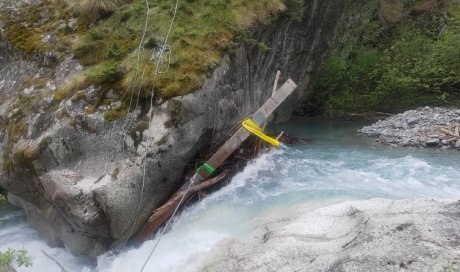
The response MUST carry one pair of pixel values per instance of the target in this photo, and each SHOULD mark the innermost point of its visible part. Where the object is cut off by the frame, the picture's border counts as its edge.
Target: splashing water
(337, 166)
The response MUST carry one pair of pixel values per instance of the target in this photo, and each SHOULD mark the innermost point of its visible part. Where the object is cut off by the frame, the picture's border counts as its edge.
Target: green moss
(35, 82)
(106, 38)
(295, 9)
(16, 129)
(115, 114)
(115, 173)
(264, 47)
(22, 29)
(72, 122)
(197, 45)
(412, 63)
(105, 74)
(24, 38)
(26, 155)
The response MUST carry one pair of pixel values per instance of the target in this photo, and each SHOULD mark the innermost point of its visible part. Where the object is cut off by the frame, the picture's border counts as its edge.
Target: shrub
(394, 68)
(20, 257)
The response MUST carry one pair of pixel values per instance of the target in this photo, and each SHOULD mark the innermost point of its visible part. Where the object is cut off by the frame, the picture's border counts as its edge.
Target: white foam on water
(274, 185)
(20, 236)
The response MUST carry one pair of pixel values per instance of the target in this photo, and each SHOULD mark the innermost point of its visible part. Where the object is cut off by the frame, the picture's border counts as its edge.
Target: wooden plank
(242, 134)
(161, 214)
(195, 184)
(277, 77)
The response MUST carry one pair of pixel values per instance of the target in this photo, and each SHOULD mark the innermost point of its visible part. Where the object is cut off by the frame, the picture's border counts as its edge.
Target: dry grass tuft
(94, 10)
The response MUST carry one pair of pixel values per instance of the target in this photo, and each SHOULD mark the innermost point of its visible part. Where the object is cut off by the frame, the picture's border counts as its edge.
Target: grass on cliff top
(202, 31)
(412, 61)
(109, 31)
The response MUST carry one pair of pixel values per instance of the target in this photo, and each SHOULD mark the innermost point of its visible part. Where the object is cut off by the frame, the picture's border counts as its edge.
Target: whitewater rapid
(336, 167)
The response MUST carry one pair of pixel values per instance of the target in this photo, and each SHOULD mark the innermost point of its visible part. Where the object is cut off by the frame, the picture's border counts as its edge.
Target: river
(338, 165)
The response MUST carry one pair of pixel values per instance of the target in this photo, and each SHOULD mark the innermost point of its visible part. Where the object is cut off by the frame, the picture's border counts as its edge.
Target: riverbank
(422, 127)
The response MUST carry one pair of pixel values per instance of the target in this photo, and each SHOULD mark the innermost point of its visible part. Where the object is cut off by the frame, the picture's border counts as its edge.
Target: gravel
(422, 127)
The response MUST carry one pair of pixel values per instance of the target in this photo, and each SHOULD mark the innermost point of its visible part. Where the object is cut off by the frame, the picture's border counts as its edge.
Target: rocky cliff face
(83, 181)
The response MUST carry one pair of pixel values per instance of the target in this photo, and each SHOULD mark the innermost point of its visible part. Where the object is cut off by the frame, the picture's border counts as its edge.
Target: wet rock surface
(422, 127)
(373, 235)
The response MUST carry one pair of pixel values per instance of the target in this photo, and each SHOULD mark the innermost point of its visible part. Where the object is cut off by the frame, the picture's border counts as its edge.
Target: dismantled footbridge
(204, 177)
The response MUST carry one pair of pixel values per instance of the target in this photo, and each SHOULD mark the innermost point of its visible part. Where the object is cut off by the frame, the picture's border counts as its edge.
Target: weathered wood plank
(242, 134)
(161, 214)
(193, 185)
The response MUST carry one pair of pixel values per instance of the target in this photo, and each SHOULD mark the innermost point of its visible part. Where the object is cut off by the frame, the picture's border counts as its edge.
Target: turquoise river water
(338, 165)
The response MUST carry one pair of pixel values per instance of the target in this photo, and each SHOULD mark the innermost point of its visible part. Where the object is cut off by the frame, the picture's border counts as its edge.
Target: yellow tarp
(256, 130)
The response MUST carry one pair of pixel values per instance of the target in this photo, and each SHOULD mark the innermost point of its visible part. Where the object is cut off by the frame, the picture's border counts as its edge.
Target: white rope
(107, 160)
(139, 49)
(123, 138)
(125, 133)
(160, 56)
(163, 231)
(157, 69)
(192, 180)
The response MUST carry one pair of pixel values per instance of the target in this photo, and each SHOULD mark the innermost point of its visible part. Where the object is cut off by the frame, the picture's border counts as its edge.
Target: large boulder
(374, 235)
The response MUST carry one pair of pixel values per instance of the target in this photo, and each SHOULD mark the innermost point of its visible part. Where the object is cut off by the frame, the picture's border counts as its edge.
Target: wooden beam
(242, 134)
(277, 78)
(161, 214)
(196, 184)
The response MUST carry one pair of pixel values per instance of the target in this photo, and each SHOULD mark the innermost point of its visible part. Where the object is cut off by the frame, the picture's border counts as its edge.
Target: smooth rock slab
(374, 235)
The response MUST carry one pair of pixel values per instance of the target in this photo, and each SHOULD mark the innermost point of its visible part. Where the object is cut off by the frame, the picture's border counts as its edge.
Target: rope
(126, 121)
(192, 181)
(158, 56)
(139, 49)
(126, 129)
(253, 128)
(157, 69)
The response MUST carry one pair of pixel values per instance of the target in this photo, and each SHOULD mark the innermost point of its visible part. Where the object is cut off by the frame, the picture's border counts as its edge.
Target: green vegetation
(115, 173)
(24, 27)
(15, 131)
(105, 74)
(108, 33)
(202, 31)
(115, 114)
(20, 257)
(408, 59)
(2, 198)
